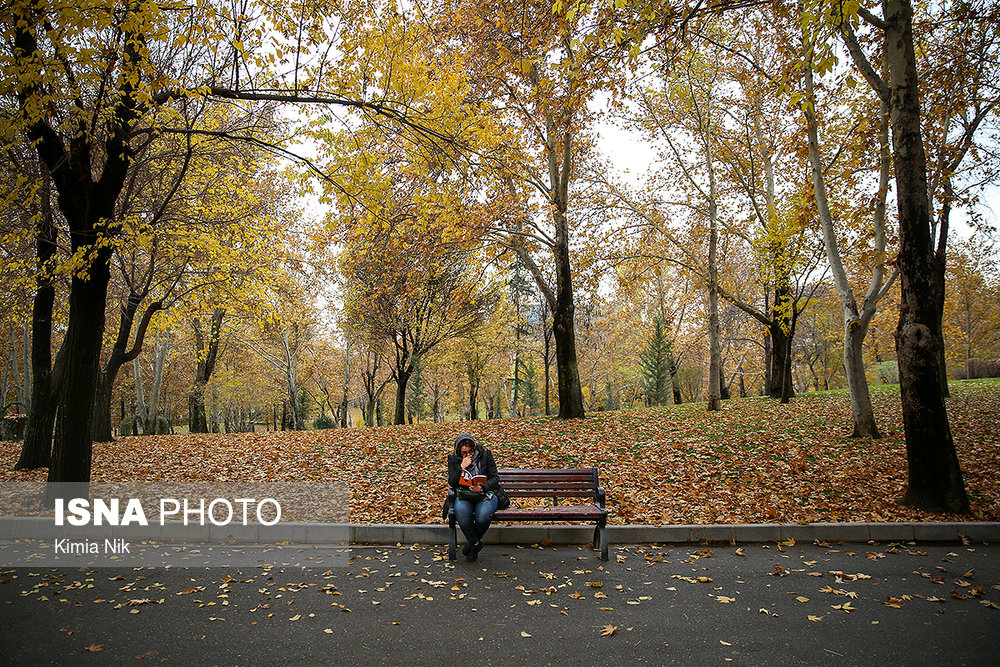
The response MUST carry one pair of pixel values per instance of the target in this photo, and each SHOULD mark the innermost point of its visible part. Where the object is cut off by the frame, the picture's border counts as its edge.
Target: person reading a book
(472, 471)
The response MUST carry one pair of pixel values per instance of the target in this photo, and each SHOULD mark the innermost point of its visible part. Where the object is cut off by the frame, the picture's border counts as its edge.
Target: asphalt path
(754, 604)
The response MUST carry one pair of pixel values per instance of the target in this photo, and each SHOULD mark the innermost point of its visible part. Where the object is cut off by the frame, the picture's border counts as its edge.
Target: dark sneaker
(467, 549)
(476, 549)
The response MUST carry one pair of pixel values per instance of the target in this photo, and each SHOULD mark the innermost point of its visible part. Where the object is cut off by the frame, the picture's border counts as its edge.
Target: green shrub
(323, 422)
(887, 372)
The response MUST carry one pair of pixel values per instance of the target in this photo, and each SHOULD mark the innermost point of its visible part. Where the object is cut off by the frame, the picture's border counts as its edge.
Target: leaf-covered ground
(756, 462)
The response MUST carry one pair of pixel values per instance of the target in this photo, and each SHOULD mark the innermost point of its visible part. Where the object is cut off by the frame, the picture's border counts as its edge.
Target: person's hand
(478, 488)
(466, 461)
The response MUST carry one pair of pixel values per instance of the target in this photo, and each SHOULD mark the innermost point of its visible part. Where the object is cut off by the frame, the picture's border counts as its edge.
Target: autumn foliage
(755, 462)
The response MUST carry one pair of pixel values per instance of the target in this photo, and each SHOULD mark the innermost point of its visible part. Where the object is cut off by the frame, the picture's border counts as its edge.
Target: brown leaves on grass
(756, 461)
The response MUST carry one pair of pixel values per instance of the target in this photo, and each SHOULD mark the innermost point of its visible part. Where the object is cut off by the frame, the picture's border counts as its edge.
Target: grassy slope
(757, 461)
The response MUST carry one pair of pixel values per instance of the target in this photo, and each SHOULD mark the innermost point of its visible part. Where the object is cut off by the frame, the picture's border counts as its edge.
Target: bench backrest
(579, 482)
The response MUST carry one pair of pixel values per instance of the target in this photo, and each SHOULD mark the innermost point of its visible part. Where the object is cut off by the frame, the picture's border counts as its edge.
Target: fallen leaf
(524, 634)
(608, 630)
(94, 648)
(145, 655)
(815, 618)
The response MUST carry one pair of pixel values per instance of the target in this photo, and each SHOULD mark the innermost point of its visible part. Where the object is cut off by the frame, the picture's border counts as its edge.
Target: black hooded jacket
(487, 464)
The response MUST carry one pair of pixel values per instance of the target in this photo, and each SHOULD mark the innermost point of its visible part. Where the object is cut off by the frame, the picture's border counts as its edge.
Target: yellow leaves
(608, 630)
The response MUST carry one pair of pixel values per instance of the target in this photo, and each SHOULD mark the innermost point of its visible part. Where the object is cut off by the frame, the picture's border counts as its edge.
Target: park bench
(555, 484)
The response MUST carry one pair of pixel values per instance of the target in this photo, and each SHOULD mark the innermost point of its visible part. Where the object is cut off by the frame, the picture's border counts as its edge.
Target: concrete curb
(12, 528)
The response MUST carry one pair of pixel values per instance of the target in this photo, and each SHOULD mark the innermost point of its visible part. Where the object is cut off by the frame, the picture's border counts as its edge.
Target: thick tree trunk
(402, 378)
(786, 385)
(102, 408)
(935, 482)
(779, 367)
(71, 456)
(567, 368)
(564, 328)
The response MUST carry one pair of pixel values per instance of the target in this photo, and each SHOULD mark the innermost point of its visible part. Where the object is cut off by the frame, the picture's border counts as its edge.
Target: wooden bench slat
(552, 483)
(543, 493)
(557, 513)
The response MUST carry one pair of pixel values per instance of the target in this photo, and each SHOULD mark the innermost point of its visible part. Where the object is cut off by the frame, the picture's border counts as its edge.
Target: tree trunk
(780, 344)
(564, 331)
(548, 381)
(207, 357)
(120, 355)
(71, 456)
(402, 377)
(857, 382)
(473, 400)
(674, 382)
(347, 383)
(786, 385)
(36, 451)
(714, 348)
(855, 322)
(935, 482)
(160, 351)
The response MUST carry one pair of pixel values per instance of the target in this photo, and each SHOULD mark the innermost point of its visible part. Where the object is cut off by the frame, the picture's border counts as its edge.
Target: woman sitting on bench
(473, 472)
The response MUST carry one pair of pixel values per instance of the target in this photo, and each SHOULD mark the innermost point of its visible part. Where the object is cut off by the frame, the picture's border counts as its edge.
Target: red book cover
(469, 480)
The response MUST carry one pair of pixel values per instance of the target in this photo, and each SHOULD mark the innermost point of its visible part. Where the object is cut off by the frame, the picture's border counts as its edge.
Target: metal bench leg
(604, 541)
(452, 539)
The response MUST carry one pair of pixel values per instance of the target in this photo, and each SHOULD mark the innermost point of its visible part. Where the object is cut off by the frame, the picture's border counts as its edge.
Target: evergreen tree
(654, 362)
(529, 388)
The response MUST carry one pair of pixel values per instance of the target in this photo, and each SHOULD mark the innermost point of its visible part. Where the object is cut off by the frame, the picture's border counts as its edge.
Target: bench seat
(548, 483)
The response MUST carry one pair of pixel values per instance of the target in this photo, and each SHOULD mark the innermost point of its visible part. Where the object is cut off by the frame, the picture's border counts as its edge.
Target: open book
(468, 480)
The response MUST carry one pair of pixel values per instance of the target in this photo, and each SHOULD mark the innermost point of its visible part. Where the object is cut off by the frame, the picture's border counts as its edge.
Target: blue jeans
(474, 518)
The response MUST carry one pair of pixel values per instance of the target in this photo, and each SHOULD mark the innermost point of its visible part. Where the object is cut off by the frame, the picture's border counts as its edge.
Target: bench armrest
(600, 497)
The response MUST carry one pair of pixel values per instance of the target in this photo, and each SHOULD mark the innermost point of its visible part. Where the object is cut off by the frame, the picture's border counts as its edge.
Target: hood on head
(462, 438)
